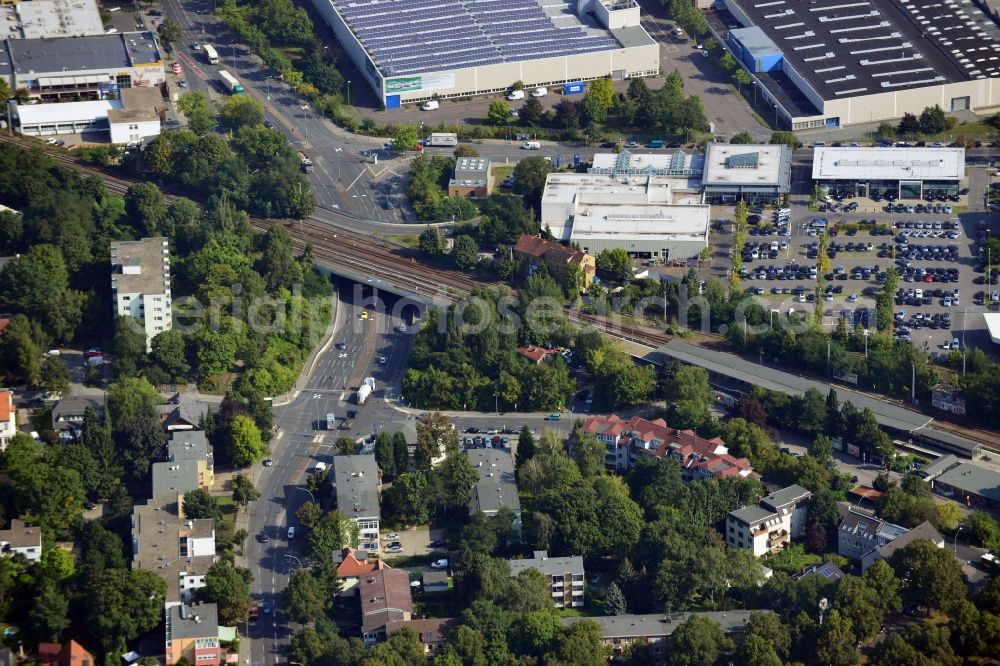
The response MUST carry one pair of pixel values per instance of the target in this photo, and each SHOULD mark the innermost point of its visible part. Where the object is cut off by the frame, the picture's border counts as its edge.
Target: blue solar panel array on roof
(415, 36)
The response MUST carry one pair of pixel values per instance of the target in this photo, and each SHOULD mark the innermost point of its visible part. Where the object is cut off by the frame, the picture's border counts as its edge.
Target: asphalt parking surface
(854, 292)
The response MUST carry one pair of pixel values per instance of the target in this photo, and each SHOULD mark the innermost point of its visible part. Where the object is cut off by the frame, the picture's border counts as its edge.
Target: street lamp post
(348, 92)
(316, 397)
(234, 56)
(955, 544)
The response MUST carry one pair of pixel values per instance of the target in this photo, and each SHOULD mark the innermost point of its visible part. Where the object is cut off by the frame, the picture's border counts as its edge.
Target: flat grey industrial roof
(175, 477)
(968, 446)
(187, 445)
(784, 496)
(735, 367)
(862, 47)
(356, 481)
(93, 52)
(418, 36)
(972, 479)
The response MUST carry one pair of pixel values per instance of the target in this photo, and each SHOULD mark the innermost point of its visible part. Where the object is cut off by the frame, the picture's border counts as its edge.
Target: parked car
(440, 564)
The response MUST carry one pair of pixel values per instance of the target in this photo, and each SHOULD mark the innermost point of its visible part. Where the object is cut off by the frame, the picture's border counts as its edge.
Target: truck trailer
(229, 82)
(443, 139)
(365, 390)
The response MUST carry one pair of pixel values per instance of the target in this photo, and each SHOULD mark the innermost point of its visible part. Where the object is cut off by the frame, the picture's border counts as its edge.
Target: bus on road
(211, 54)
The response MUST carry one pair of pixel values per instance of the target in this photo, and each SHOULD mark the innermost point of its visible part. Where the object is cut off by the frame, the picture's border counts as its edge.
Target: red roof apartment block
(700, 458)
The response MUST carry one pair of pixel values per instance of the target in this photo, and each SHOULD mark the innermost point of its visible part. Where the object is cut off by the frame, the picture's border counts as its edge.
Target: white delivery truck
(305, 162)
(515, 95)
(331, 421)
(531, 145)
(229, 82)
(442, 139)
(365, 390)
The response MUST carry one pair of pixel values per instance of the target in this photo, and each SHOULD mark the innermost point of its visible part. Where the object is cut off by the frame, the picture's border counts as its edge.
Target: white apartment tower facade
(140, 282)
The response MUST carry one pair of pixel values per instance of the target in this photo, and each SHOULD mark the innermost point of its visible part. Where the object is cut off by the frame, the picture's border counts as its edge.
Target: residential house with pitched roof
(770, 525)
(8, 419)
(20, 538)
(352, 564)
(385, 598)
(67, 416)
(699, 458)
(432, 632)
(182, 411)
(860, 534)
(535, 251)
(70, 654)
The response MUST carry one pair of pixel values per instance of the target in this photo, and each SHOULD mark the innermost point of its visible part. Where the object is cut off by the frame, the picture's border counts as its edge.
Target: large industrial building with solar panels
(833, 63)
(414, 50)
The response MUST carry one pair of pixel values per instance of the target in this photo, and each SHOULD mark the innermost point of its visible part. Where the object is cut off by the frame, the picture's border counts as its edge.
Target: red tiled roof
(6, 405)
(352, 567)
(3, 323)
(656, 438)
(538, 247)
(534, 354)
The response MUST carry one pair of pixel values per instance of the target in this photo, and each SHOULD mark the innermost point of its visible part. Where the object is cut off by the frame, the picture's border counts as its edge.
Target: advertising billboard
(419, 82)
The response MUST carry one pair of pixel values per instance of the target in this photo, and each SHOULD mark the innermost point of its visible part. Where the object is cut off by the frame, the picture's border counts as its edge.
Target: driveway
(415, 541)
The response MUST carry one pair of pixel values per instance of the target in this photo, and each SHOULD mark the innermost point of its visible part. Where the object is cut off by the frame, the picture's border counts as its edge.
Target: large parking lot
(935, 245)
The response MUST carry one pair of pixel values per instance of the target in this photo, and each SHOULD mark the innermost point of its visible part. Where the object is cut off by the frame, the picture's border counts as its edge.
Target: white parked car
(540, 92)
(431, 105)
(440, 564)
(392, 536)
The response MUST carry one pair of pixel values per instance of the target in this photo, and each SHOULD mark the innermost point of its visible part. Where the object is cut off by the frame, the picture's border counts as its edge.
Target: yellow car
(364, 314)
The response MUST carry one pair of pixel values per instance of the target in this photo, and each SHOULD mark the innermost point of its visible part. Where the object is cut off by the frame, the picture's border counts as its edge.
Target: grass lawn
(411, 561)
(587, 611)
(500, 173)
(400, 240)
(227, 504)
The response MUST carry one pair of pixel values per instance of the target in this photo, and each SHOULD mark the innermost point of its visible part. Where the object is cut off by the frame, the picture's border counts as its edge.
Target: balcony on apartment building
(777, 539)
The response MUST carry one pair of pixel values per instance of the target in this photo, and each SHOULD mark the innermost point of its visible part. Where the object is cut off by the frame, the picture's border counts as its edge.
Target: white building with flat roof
(904, 172)
(992, 320)
(647, 204)
(50, 18)
(140, 283)
(753, 173)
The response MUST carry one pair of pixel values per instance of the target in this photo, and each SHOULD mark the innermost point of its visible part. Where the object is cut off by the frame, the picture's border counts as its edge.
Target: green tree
(169, 33)
(244, 490)
(128, 346)
(241, 111)
(525, 446)
(909, 124)
(400, 451)
(19, 353)
(458, 476)
(883, 581)
(49, 614)
(431, 242)
(742, 137)
(122, 604)
(194, 105)
(929, 575)
(54, 375)
(384, 454)
(406, 501)
(835, 644)
(328, 532)
(465, 253)
(886, 131)
(690, 397)
(531, 112)
(615, 265)
(768, 627)
(278, 265)
(983, 529)
(581, 644)
(932, 120)
(304, 601)
(247, 445)
(229, 587)
(499, 112)
(198, 503)
(755, 651)
(146, 209)
(169, 354)
(405, 138)
(698, 641)
(529, 179)
(435, 437)
(787, 138)
(614, 601)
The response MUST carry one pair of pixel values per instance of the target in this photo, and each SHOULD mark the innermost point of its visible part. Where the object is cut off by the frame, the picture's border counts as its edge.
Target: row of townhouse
(180, 550)
(699, 458)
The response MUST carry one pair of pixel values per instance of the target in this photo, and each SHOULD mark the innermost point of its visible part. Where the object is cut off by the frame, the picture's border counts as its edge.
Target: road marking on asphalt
(192, 66)
(354, 182)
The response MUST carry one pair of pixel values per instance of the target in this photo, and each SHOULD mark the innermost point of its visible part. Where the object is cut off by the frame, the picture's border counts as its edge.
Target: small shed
(435, 581)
